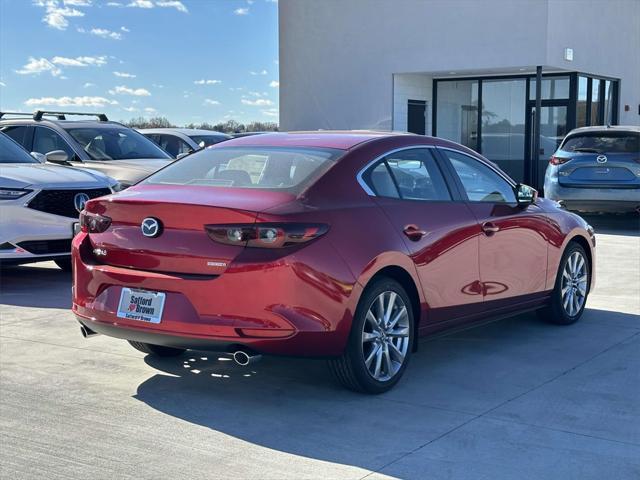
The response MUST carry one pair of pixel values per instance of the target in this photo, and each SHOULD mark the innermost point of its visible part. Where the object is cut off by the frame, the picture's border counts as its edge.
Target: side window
(480, 182)
(46, 140)
(417, 175)
(380, 181)
(19, 134)
(173, 145)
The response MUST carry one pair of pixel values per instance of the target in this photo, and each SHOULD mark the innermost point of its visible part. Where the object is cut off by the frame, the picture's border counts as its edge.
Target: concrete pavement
(513, 399)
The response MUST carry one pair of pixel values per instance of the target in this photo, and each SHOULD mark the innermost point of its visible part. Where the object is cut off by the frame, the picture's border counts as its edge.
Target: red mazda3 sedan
(346, 245)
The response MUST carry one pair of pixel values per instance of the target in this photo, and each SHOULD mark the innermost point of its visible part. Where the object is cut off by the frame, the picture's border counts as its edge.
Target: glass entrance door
(553, 128)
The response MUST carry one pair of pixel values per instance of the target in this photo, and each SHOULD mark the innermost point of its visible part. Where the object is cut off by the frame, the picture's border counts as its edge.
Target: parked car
(340, 245)
(182, 141)
(596, 169)
(109, 147)
(40, 205)
(247, 134)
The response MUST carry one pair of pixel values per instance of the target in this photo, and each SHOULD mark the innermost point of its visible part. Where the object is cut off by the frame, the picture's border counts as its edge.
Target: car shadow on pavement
(627, 224)
(35, 286)
(294, 406)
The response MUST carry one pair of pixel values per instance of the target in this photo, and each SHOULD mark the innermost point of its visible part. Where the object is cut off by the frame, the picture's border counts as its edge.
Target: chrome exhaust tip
(243, 358)
(87, 332)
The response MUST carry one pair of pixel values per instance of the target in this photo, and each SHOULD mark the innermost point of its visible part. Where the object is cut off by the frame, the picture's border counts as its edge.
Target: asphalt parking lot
(512, 399)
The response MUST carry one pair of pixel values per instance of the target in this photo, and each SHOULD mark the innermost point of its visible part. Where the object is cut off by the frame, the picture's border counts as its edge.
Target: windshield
(11, 152)
(610, 142)
(115, 143)
(208, 140)
(270, 168)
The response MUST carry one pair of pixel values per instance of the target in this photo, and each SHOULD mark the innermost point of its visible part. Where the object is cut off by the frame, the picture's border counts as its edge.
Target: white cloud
(124, 75)
(150, 110)
(156, 85)
(103, 33)
(259, 102)
(2, 84)
(130, 109)
(270, 112)
(141, 4)
(209, 101)
(125, 29)
(56, 14)
(114, 4)
(261, 72)
(207, 82)
(274, 84)
(241, 11)
(35, 66)
(71, 101)
(80, 61)
(89, 84)
(138, 92)
(172, 4)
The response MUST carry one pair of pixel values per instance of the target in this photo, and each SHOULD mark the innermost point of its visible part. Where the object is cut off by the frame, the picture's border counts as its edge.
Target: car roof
(604, 128)
(341, 139)
(185, 131)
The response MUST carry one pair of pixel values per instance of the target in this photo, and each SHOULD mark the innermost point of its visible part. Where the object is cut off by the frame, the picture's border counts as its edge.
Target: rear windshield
(611, 142)
(115, 143)
(270, 168)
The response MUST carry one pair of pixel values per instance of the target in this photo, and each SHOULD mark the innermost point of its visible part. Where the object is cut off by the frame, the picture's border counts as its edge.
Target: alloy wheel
(385, 336)
(574, 284)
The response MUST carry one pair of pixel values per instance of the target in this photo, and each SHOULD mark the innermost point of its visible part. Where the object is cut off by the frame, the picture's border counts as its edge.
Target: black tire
(556, 312)
(156, 350)
(350, 368)
(64, 264)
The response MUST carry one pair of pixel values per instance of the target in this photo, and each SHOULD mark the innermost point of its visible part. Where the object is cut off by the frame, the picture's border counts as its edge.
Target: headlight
(118, 187)
(12, 193)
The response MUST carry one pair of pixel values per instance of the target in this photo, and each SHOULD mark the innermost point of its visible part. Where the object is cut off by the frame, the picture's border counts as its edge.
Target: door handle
(489, 228)
(413, 232)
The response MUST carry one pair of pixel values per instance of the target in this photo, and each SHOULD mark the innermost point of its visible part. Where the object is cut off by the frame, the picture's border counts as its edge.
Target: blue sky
(188, 60)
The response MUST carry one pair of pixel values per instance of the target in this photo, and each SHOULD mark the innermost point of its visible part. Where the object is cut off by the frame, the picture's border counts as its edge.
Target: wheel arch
(588, 250)
(404, 278)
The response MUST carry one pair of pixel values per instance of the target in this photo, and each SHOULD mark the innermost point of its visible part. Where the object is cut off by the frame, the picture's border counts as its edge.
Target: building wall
(338, 58)
(408, 86)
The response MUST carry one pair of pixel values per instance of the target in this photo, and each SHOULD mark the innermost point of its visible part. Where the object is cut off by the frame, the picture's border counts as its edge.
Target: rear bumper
(594, 199)
(288, 308)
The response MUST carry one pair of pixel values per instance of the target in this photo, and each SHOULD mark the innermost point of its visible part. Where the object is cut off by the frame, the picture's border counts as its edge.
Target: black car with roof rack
(97, 143)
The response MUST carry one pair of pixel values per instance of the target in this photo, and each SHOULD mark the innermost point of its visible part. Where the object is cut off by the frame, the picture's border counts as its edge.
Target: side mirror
(39, 157)
(57, 156)
(525, 194)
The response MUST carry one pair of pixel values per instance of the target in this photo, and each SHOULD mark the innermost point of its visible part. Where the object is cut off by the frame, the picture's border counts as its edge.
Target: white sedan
(40, 204)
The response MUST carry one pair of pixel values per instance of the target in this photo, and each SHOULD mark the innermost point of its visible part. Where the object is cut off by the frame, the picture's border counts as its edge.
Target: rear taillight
(93, 223)
(266, 235)
(555, 160)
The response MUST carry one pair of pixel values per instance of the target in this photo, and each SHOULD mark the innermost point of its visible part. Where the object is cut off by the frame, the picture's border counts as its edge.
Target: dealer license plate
(142, 305)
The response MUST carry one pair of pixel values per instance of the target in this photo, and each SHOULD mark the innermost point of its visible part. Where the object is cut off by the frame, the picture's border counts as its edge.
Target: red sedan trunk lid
(183, 245)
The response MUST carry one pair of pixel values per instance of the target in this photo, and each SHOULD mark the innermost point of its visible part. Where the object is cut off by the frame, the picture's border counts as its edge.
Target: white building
(426, 66)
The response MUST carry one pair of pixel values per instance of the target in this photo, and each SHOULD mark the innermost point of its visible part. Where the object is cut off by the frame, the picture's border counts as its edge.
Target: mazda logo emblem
(601, 159)
(80, 200)
(151, 227)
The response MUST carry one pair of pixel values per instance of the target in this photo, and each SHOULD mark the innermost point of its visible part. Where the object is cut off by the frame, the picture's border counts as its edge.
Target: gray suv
(108, 147)
(596, 169)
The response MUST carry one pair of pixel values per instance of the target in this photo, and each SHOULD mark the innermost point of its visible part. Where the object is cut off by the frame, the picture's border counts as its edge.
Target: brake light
(555, 160)
(93, 223)
(266, 235)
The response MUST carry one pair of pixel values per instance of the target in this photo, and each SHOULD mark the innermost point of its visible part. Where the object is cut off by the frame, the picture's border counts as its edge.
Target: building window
(503, 124)
(596, 119)
(553, 88)
(457, 109)
(581, 107)
(608, 103)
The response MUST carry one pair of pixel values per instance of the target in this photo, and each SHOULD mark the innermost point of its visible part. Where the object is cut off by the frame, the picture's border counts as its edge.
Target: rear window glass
(270, 168)
(613, 142)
